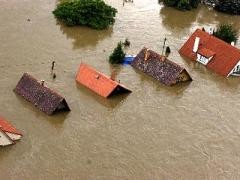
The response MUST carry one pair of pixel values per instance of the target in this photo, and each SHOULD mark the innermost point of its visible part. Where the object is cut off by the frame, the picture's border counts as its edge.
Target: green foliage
(182, 4)
(170, 3)
(227, 33)
(228, 6)
(117, 55)
(93, 13)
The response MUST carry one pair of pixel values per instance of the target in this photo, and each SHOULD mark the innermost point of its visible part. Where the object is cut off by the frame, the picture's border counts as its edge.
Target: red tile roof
(97, 82)
(7, 127)
(206, 52)
(225, 58)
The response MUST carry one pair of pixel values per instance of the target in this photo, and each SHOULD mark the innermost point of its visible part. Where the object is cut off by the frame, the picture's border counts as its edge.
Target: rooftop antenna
(53, 64)
(164, 42)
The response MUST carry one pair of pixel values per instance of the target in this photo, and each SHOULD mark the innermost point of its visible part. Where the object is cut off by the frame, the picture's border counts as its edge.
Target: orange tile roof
(97, 81)
(7, 127)
(226, 56)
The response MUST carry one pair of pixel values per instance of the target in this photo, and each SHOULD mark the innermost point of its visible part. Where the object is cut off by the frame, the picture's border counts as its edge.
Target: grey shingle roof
(159, 67)
(41, 96)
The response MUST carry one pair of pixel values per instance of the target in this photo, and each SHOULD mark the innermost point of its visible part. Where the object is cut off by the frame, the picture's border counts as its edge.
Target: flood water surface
(189, 131)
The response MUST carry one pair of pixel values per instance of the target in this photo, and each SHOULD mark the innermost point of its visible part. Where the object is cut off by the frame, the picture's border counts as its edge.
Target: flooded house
(99, 83)
(215, 54)
(160, 68)
(8, 133)
(45, 99)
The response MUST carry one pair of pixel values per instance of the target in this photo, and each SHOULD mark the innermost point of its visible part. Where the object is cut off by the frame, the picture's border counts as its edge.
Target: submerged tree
(93, 13)
(227, 33)
(228, 6)
(182, 4)
(117, 55)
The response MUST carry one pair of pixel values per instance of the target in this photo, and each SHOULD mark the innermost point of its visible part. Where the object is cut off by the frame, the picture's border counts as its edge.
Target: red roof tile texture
(206, 52)
(226, 56)
(7, 127)
(96, 81)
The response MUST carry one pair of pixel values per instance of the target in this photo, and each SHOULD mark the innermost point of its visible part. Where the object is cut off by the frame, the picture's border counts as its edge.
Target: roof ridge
(166, 59)
(48, 88)
(220, 40)
(108, 77)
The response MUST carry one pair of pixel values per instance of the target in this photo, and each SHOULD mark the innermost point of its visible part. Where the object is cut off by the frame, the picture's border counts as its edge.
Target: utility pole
(165, 39)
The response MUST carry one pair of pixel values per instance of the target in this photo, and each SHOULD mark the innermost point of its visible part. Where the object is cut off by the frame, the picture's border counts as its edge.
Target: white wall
(203, 59)
(235, 69)
(14, 137)
(4, 139)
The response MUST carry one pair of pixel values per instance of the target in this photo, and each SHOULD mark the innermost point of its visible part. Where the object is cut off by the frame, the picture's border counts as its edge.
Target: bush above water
(92, 13)
(117, 55)
(228, 6)
(227, 33)
(182, 4)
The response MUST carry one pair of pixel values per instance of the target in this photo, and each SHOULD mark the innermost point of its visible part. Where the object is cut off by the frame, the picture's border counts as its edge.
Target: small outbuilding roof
(7, 127)
(225, 56)
(41, 96)
(98, 82)
(159, 67)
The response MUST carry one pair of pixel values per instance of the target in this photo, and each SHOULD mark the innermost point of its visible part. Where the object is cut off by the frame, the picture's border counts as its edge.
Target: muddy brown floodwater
(189, 131)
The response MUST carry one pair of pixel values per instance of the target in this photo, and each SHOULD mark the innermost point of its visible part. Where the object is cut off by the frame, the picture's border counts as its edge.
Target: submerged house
(98, 82)
(8, 133)
(217, 55)
(160, 68)
(40, 96)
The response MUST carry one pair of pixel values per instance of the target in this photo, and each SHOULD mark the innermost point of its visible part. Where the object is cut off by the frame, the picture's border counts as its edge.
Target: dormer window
(204, 55)
(236, 70)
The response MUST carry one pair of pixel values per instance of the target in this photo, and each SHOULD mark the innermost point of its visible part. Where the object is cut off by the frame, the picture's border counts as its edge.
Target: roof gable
(7, 127)
(225, 58)
(5, 140)
(206, 52)
(41, 96)
(98, 82)
(157, 66)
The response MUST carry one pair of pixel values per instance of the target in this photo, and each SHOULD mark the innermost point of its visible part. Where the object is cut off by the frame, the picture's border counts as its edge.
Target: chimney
(233, 43)
(42, 82)
(162, 58)
(146, 55)
(196, 44)
(113, 75)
